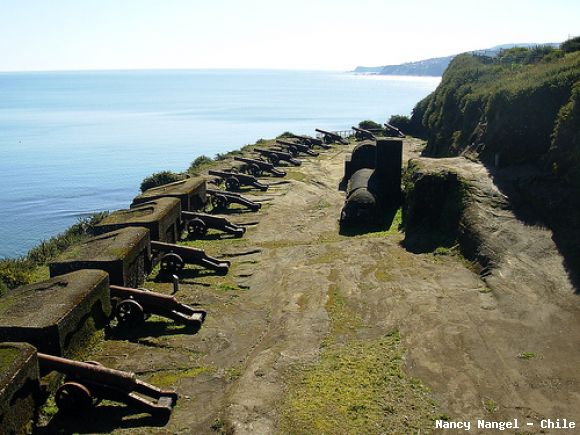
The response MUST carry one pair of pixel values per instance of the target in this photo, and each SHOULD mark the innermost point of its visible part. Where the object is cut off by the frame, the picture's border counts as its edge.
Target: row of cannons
(372, 178)
(96, 285)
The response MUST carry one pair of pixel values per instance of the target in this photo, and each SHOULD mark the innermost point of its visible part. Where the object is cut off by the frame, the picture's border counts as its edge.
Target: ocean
(73, 143)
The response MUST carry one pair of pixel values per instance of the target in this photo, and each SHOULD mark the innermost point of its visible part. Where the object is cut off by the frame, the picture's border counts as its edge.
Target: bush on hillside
(488, 108)
(199, 163)
(571, 45)
(159, 179)
(369, 125)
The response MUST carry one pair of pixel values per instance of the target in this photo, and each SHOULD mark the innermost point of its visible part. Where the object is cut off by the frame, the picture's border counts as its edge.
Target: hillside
(519, 114)
(437, 65)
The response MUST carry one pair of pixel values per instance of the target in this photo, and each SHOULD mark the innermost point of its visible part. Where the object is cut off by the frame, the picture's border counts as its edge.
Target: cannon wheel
(328, 139)
(72, 397)
(274, 159)
(232, 183)
(171, 263)
(197, 227)
(129, 313)
(254, 170)
(293, 150)
(219, 202)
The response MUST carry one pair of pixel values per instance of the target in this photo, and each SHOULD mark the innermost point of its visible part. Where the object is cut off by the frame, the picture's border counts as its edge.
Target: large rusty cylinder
(20, 391)
(161, 216)
(97, 374)
(191, 192)
(360, 208)
(59, 315)
(388, 168)
(363, 156)
(362, 179)
(124, 254)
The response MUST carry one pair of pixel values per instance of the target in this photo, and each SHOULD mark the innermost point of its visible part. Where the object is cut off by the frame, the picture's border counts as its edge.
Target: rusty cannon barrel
(233, 180)
(198, 224)
(256, 167)
(298, 147)
(131, 306)
(393, 131)
(310, 141)
(330, 137)
(362, 134)
(276, 156)
(87, 382)
(220, 199)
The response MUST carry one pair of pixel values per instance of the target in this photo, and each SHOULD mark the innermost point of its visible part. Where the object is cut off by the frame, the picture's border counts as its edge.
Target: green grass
(357, 386)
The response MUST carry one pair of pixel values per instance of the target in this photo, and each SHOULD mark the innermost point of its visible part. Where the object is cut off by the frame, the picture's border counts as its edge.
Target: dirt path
(304, 305)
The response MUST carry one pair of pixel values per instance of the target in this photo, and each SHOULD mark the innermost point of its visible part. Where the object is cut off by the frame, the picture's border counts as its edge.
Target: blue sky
(298, 34)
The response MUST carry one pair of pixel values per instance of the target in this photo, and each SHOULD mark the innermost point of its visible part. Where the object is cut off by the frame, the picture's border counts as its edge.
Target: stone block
(19, 387)
(161, 216)
(125, 254)
(191, 192)
(59, 315)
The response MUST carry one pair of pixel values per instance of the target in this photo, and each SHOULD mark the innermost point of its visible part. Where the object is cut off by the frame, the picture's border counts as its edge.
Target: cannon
(198, 224)
(87, 383)
(297, 147)
(310, 141)
(329, 137)
(175, 257)
(362, 134)
(220, 199)
(233, 180)
(394, 131)
(256, 167)
(132, 306)
(276, 156)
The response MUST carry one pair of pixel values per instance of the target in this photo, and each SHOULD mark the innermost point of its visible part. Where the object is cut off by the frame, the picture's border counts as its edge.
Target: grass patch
(527, 355)
(358, 388)
(172, 377)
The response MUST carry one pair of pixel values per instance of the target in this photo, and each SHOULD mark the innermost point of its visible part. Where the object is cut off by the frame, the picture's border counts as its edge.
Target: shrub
(286, 134)
(369, 125)
(571, 45)
(402, 122)
(198, 163)
(159, 179)
(15, 272)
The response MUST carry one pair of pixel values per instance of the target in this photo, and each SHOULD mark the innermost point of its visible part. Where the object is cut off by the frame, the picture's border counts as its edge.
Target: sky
(41, 35)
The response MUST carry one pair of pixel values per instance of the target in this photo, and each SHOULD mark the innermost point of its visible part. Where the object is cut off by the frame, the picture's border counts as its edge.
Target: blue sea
(73, 143)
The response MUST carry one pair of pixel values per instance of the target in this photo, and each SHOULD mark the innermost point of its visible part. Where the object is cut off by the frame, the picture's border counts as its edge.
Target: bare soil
(301, 300)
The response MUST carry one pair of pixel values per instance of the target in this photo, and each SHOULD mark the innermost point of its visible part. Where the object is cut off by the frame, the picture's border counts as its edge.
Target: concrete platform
(19, 387)
(124, 254)
(191, 192)
(57, 316)
(161, 216)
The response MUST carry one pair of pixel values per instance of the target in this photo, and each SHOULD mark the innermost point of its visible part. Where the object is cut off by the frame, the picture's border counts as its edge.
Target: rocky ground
(316, 332)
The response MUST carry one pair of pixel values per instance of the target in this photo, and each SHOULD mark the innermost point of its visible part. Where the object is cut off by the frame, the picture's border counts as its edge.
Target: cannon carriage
(257, 167)
(132, 306)
(276, 156)
(87, 383)
(310, 141)
(362, 134)
(197, 224)
(330, 137)
(234, 180)
(296, 148)
(221, 199)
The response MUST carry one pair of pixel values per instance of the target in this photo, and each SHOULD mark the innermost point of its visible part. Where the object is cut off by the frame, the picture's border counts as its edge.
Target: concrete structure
(161, 216)
(124, 254)
(19, 387)
(57, 316)
(191, 192)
